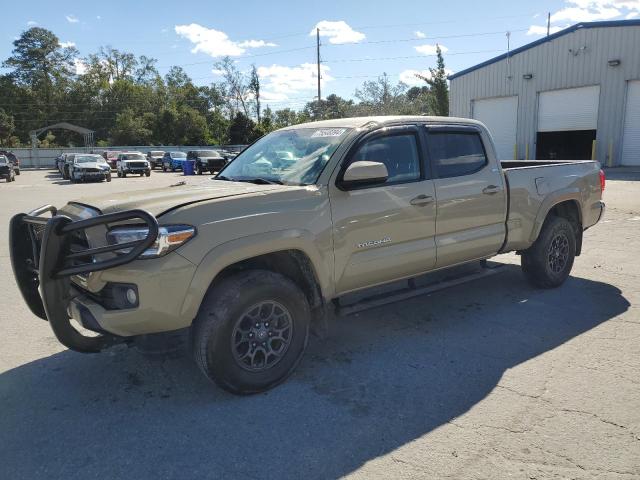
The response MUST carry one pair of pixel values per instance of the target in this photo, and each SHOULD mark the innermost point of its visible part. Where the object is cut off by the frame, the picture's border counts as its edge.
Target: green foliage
(439, 99)
(7, 127)
(125, 100)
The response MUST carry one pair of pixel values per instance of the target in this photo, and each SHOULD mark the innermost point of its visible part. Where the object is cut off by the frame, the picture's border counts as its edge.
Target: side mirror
(364, 173)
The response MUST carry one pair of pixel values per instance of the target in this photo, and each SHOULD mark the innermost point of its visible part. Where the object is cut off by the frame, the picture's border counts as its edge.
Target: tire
(548, 262)
(148, 174)
(229, 305)
(108, 178)
(119, 175)
(124, 175)
(173, 169)
(17, 172)
(164, 168)
(199, 170)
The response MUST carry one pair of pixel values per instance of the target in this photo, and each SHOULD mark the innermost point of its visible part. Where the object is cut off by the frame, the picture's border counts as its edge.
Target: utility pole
(318, 61)
(548, 23)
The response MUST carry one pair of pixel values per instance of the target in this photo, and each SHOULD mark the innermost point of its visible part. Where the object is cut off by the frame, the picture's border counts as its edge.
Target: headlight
(169, 238)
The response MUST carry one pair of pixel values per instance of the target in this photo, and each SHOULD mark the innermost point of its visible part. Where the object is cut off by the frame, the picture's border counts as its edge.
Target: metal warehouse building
(572, 95)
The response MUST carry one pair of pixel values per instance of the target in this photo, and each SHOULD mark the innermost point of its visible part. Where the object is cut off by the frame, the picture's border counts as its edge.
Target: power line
(369, 59)
(440, 37)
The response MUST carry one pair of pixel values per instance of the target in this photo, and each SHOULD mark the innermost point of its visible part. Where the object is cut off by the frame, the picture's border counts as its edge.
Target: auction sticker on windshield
(328, 132)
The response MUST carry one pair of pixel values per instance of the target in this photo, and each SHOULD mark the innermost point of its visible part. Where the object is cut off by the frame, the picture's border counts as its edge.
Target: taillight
(603, 180)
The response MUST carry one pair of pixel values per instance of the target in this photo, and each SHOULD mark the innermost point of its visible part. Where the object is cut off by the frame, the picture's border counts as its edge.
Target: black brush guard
(44, 257)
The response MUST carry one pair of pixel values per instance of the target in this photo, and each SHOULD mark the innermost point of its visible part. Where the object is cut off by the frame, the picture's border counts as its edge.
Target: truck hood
(159, 200)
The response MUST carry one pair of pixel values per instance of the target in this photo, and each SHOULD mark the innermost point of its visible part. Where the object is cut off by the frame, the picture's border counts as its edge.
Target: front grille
(136, 164)
(91, 170)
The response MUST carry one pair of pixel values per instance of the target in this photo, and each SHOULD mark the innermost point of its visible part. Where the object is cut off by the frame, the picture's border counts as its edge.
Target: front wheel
(108, 178)
(251, 331)
(548, 262)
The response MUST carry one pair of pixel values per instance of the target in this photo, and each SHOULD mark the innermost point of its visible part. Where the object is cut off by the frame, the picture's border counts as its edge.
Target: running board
(486, 269)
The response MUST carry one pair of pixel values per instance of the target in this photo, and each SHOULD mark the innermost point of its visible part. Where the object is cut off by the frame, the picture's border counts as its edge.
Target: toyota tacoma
(261, 252)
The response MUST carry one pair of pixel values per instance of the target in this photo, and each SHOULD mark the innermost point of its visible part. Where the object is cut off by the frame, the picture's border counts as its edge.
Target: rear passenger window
(399, 153)
(455, 153)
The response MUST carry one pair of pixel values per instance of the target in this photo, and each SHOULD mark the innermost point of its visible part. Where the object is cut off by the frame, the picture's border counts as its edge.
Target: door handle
(421, 200)
(490, 190)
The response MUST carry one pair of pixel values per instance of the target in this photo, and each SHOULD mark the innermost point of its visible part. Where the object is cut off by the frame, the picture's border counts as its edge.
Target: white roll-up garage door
(500, 115)
(631, 133)
(568, 109)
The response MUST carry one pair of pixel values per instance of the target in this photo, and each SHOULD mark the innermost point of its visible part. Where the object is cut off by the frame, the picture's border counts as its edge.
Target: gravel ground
(489, 379)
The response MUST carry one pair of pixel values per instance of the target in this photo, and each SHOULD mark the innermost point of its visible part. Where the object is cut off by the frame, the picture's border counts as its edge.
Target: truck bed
(535, 185)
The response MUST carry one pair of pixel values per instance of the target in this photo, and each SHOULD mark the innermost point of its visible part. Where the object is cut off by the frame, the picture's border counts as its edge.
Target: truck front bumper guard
(44, 256)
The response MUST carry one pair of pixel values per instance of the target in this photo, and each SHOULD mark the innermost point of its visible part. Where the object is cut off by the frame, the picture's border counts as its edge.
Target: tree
(254, 89)
(131, 129)
(235, 86)
(437, 80)
(38, 58)
(380, 97)
(7, 127)
(241, 129)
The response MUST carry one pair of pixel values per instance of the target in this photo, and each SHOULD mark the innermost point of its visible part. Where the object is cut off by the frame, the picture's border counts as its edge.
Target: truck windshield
(293, 157)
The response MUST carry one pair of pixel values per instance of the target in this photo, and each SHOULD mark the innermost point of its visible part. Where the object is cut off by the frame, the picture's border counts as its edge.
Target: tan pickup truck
(248, 260)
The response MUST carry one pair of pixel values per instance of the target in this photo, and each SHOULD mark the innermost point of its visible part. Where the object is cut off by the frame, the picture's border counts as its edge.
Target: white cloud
(419, 34)
(256, 44)
(32, 23)
(409, 76)
(81, 67)
(280, 81)
(576, 11)
(576, 14)
(542, 29)
(72, 18)
(98, 17)
(430, 49)
(67, 44)
(216, 43)
(337, 32)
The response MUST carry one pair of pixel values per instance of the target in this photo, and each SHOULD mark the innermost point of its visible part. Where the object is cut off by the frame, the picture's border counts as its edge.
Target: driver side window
(399, 153)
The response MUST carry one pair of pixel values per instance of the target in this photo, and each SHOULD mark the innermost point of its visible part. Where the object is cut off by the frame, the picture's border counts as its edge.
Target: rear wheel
(548, 262)
(251, 331)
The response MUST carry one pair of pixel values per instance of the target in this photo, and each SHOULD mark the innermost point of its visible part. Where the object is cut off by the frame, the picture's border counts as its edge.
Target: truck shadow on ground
(384, 378)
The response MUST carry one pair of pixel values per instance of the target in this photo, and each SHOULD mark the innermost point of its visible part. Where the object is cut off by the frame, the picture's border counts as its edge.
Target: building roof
(571, 29)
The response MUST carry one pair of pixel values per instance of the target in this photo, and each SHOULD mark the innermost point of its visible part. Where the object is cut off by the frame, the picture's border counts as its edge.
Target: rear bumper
(45, 254)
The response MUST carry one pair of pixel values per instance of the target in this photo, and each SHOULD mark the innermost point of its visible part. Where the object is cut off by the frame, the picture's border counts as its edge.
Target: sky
(360, 40)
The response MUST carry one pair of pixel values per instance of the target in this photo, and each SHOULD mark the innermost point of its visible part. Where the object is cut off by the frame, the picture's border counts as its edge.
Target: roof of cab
(359, 122)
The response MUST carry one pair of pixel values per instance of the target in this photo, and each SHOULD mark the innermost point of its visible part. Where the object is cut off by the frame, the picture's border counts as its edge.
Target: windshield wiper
(259, 181)
(256, 180)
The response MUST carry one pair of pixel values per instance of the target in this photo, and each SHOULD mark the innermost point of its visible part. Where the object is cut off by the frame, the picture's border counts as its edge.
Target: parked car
(261, 253)
(207, 160)
(68, 164)
(89, 167)
(6, 169)
(154, 157)
(60, 162)
(173, 161)
(111, 156)
(132, 163)
(15, 160)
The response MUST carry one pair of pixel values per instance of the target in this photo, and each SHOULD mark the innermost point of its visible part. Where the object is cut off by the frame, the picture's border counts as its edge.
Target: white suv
(134, 163)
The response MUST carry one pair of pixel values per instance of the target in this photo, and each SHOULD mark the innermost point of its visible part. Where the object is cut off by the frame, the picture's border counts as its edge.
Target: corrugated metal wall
(576, 59)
